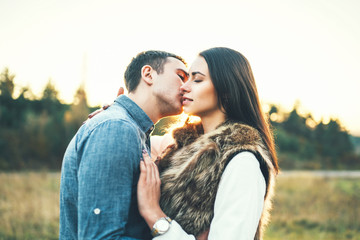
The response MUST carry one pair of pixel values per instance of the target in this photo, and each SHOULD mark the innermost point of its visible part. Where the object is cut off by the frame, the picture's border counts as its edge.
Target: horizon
(265, 106)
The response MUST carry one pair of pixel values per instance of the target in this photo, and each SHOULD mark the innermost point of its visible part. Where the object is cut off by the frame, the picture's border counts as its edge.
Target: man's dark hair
(155, 59)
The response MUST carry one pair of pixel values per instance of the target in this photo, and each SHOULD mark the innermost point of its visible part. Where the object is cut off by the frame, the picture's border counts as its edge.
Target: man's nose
(185, 88)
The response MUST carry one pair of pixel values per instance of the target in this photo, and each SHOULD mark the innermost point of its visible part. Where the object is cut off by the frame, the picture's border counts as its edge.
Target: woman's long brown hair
(235, 85)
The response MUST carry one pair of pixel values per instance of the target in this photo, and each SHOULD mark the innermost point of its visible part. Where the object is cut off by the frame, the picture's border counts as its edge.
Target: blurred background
(61, 60)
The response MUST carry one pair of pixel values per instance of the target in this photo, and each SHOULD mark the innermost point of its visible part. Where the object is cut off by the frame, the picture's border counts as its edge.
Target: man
(100, 169)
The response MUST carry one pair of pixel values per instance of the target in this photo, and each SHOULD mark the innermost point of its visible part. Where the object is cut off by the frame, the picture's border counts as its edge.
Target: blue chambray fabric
(99, 175)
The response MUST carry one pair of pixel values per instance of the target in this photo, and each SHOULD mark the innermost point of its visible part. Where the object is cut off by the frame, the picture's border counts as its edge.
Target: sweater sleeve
(239, 200)
(238, 204)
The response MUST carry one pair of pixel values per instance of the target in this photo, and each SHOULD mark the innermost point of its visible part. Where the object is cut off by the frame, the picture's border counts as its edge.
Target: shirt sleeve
(238, 204)
(106, 180)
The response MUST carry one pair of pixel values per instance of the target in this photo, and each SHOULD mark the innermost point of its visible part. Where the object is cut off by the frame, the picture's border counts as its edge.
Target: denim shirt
(99, 175)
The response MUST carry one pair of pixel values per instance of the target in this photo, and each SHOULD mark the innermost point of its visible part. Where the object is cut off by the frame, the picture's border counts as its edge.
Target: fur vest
(191, 170)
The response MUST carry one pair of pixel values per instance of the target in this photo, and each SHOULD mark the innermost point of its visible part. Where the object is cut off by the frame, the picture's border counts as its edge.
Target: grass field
(308, 207)
(305, 207)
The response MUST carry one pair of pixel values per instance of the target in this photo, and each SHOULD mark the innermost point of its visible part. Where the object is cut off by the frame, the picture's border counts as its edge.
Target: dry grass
(305, 207)
(308, 207)
(29, 205)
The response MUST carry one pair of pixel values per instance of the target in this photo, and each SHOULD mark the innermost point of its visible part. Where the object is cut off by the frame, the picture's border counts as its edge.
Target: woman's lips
(186, 100)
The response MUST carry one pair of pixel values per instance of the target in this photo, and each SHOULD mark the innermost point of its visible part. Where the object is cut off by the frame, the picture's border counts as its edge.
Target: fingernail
(144, 151)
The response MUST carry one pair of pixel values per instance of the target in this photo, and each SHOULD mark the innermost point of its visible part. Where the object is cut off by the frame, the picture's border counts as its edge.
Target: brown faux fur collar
(191, 170)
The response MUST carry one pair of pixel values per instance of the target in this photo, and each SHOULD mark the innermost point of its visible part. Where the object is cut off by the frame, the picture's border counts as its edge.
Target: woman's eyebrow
(194, 73)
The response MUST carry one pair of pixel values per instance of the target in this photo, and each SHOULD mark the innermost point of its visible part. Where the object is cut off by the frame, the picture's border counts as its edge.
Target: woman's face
(200, 97)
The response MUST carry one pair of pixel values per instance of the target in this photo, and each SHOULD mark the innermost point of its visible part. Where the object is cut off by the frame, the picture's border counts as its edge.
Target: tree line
(304, 143)
(35, 131)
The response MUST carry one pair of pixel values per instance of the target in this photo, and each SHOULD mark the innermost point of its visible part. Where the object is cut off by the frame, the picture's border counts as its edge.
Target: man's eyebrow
(186, 73)
(194, 73)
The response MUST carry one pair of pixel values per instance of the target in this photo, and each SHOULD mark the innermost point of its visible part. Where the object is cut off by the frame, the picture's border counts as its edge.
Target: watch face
(162, 225)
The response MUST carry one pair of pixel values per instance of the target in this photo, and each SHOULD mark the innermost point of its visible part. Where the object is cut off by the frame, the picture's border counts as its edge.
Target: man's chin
(178, 112)
(172, 112)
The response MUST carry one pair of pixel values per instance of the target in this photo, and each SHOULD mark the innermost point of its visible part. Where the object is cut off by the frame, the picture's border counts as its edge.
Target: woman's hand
(148, 191)
(148, 194)
(96, 112)
(91, 115)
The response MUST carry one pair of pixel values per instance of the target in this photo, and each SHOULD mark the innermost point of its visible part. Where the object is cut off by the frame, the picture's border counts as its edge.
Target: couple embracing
(212, 179)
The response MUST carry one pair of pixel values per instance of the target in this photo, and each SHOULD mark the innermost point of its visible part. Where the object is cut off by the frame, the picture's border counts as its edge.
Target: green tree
(34, 132)
(78, 112)
(7, 84)
(336, 140)
(50, 92)
(7, 107)
(296, 124)
(10, 119)
(52, 127)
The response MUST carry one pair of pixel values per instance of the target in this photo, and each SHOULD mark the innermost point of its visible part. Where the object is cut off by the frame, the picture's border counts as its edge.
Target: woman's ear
(146, 72)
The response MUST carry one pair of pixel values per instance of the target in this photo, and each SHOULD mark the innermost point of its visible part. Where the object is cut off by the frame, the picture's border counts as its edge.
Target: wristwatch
(161, 226)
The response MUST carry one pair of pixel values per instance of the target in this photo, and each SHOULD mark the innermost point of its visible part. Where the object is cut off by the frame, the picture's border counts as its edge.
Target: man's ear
(146, 74)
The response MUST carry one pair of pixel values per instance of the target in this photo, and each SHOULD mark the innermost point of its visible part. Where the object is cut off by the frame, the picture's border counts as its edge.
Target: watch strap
(154, 231)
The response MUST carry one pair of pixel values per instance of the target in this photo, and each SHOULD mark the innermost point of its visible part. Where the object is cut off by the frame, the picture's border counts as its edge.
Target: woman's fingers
(142, 178)
(146, 156)
(120, 91)
(156, 173)
(106, 106)
(150, 176)
(96, 112)
(148, 191)
(148, 167)
(152, 172)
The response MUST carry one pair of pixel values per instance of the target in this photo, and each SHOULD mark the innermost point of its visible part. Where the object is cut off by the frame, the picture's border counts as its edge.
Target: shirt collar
(136, 113)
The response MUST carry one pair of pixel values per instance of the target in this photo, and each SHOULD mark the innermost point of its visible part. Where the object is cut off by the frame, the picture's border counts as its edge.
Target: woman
(217, 176)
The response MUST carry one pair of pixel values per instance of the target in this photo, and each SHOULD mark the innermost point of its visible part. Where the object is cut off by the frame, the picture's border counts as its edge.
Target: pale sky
(306, 50)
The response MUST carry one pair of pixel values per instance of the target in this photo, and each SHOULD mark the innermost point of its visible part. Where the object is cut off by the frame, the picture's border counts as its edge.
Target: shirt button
(97, 211)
